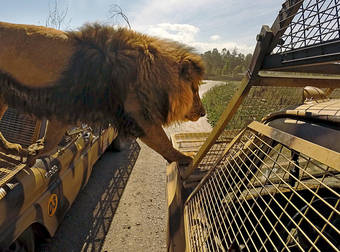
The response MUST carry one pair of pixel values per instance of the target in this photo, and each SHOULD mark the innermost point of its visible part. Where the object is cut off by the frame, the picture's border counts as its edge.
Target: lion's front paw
(15, 149)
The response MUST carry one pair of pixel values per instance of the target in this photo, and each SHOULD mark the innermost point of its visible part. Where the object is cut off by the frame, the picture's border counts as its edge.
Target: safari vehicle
(34, 199)
(267, 177)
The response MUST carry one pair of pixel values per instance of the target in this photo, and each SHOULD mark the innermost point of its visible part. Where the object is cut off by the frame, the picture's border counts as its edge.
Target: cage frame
(263, 72)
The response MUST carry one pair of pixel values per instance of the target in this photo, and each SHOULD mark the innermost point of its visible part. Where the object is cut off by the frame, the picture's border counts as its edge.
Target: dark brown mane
(67, 105)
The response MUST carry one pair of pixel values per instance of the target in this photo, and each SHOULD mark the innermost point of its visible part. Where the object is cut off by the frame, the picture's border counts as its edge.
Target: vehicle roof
(314, 121)
(327, 110)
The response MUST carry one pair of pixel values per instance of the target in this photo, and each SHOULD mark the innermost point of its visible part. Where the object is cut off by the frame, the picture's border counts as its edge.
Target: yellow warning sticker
(52, 204)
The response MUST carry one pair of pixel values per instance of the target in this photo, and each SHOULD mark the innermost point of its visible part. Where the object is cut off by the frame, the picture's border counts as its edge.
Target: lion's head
(185, 103)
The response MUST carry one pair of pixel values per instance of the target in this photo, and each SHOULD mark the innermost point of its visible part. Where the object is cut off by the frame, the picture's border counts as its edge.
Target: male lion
(100, 75)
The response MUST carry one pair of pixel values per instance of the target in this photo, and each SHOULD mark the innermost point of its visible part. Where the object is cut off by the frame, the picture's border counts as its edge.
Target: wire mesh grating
(316, 22)
(265, 196)
(18, 128)
(259, 102)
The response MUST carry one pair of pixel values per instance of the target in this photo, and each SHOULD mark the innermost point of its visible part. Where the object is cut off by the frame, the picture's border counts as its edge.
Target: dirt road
(107, 217)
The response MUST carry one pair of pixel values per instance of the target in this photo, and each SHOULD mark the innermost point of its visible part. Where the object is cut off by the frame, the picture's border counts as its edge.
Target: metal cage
(267, 194)
(266, 189)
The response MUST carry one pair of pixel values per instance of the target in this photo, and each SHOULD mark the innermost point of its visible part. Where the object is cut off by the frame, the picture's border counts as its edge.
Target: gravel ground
(124, 209)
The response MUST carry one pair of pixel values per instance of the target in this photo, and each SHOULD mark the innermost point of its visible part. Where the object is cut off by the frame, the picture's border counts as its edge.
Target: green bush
(259, 102)
(217, 98)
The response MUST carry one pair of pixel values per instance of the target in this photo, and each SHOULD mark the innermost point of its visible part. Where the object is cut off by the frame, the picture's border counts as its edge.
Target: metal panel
(19, 128)
(312, 36)
(16, 128)
(267, 195)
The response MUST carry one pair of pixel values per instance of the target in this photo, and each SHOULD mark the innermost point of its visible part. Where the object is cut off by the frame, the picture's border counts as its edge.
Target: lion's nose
(202, 113)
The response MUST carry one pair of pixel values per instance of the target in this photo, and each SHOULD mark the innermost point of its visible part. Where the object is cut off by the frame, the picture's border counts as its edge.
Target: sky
(202, 24)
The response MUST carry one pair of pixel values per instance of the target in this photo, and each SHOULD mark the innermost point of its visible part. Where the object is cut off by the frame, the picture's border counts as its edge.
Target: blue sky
(203, 24)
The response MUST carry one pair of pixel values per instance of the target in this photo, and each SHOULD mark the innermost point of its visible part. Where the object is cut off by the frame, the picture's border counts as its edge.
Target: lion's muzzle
(197, 111)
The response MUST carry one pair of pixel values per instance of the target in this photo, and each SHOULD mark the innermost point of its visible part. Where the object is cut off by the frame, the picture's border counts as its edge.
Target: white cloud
(186, 33)
(183, 33)
(192, 22)
(215, 37)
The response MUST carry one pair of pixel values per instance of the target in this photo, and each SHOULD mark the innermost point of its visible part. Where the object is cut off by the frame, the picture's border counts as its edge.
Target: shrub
(259, 102)
(216, 100)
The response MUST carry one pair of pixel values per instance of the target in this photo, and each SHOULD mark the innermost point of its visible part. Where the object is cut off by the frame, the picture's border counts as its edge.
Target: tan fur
(50, 49)
(153, 82)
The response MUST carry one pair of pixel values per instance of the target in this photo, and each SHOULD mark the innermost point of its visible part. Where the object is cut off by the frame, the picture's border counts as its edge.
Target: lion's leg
(155, 136)
(156, 139)
(6, 146)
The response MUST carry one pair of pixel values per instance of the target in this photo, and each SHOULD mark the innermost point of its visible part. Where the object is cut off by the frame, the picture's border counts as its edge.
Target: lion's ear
(191, 68)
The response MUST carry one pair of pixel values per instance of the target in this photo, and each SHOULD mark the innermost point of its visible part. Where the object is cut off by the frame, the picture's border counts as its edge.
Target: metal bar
(186, 229)
(285, 17)
(202, 182)
(298, 75)
(306, 187)
(218, 213)
(238, 215)
(308, 208)
(224, 211)
(10, 173)
(192, 237)
(304, 25)
(228, 113)
(337, 11)
(256, 203)
(267, 204)
(312, 177)
(231, 176)
(317, 152)
(318, 13)
(297, 79)
(240, 203)
(204, 192)
(297, 82)
(299, 211)
(198, 234)
(326, 223)
(201, 198)
(326, 52)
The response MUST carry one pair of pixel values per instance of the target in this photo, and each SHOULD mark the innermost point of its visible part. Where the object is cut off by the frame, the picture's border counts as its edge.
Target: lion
(100, 75)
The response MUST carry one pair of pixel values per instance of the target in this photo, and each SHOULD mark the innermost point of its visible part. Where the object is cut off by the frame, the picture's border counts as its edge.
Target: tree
(237, 70)
(57, 15)
(226, 68)
(116, 12)
(217, 61)
(247, 60)
(225, 62)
